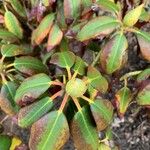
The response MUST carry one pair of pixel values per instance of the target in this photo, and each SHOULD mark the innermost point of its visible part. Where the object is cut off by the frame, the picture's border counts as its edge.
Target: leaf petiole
(56, 95)
(77, 103)
(63, 103)
(69, 73)
(56, 83)
(87, 99)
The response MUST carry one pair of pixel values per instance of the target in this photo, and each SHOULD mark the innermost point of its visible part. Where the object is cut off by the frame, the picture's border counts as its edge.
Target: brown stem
(63, 102)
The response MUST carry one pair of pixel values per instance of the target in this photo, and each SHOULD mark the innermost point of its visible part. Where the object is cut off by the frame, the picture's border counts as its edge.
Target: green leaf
(55, 37)
(72, 9)
(143, 97)
(17, 6)
(86, 3)
(30, 114)
(7, 95)
(102, 111)
(145, 15)
(13, 24)
(10, 50)
(123, 97)
(8, 36)
(144, 43)
(108, 5)
(79, 66)
(96, 80)
(29, 65)
(132, 16)
(103, 146)
(83, 132)
(60, 15)
(145, 74)
(43, 29)
(5, 142)
(31, 88)
(113, 53)
(103, 25)
(51, 132)
(64, 59)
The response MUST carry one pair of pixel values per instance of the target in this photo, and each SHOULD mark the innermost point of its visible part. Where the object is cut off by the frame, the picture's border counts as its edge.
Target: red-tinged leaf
(1, 19)
(113, 53)
(143, 97)
(51, 132)
(72, 9)
(102, 111)
(123, 97)
(103, 26)
(7, 95)
(60, 16)
(144, 43)
(29, 65)
(43, 29)
(96, 80)
(12, 24)
(145, 74)
(55, 37)
(10, 50)
(8, 36)
(84, 134)
(64, 59)
(30, 114)
(32, 88)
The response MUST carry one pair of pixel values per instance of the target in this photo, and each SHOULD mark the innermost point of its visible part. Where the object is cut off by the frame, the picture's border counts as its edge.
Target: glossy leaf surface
(132, 16)
(31, 88)
(84, 134)
(7, 95)
(102, 111)
(64, 59)
(144, 43)
(13, 24)
(30, 114)
(97, 80)
(103, 25)
(29, 65)
(124, 98)
(145, 74)
(9, 50)
(72, 8)
(55, 37)
(18, 7)
(143, 97)
(79, 66)
(8, 36)
(112, 54)
(43, 29)
(50, 132)
(108, 5)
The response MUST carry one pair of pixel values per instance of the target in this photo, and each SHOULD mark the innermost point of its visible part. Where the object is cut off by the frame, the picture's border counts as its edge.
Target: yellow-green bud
(76, 87)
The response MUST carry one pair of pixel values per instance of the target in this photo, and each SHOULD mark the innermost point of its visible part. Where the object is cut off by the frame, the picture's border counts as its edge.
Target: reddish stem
(63, 102)
(56, 95)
